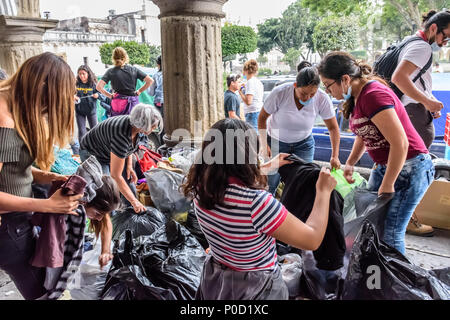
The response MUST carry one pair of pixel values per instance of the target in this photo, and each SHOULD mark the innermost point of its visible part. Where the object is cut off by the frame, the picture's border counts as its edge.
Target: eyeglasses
(327, 88)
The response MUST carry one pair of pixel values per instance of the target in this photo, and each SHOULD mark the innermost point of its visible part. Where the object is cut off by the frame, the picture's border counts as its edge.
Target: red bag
(149, 160)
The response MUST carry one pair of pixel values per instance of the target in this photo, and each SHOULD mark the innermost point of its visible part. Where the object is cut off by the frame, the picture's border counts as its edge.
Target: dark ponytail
(308, 76)
(304, 64)
(337, 64)
(440, 18)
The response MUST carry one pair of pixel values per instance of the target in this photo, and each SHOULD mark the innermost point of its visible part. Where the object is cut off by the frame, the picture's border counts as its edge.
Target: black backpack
(387, 63)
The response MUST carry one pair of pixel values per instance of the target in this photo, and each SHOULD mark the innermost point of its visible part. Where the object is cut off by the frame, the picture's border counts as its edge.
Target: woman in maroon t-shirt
(383, 128)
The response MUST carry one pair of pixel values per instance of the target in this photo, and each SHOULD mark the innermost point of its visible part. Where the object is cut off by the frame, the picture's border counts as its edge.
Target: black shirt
(87, 105)
(112, 135)
(123, 80)
(231, 103)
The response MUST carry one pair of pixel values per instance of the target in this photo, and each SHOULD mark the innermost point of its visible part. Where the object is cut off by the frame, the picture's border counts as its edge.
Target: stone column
(21, 37)
(192, 65)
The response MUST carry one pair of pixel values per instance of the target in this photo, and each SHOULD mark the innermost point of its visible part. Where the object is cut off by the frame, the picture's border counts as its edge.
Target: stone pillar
(192, 65)
(21, 37)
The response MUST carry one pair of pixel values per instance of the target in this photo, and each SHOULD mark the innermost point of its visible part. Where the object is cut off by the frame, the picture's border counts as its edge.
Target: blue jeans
(81, 124)
(412, 183)
(303, 149)
(252, 119)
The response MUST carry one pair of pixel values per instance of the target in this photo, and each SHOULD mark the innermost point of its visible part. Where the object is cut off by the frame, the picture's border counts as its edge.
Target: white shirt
(254, 87)
(418, 53)
(288, 124)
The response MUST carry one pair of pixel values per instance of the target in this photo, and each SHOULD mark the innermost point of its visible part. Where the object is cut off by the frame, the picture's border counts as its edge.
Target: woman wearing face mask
(383, 128)
(293, 110)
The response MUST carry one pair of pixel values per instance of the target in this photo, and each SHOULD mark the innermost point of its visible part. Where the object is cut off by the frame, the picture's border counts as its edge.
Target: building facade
(78, 40)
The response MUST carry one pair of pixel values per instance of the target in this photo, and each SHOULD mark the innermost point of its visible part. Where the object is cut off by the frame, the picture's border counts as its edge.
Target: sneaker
(418, 229)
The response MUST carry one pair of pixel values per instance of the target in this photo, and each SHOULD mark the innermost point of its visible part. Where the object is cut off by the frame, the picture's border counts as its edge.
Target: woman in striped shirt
(241, 220)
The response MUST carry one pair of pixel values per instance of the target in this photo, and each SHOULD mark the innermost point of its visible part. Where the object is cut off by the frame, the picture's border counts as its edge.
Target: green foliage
(262, 59)
(361, 55)
(289, 31)
(334, 34)
(291, 58)
(237, 40)
(265, 71)
(155, 52)
(137, 52)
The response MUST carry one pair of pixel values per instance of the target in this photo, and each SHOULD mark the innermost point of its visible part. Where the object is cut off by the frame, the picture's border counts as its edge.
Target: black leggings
(16, 249)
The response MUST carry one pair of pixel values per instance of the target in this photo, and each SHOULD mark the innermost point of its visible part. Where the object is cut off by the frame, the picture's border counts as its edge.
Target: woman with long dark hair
(383, 128)
(241, 221)
(86, 104)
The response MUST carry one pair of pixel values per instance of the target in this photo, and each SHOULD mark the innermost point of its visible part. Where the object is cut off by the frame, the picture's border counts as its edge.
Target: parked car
(322, 136)
(273, 81)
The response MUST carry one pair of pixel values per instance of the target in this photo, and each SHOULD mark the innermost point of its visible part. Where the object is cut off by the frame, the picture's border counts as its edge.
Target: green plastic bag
(343, 187)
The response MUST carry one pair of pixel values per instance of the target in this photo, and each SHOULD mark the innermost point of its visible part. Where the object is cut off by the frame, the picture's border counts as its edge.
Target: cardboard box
(434, 209)
(145, 199)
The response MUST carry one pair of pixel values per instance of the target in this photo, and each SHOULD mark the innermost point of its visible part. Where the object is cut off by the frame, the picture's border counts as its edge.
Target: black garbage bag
(164, 187)
(127, 279)
(379, 272)
(143, 224)
(194, 227)
(317, 284)
(130, 283)
(172, 259)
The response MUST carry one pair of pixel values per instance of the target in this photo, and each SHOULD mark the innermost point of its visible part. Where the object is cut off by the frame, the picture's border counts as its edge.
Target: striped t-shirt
(239, 231)
(112, 135)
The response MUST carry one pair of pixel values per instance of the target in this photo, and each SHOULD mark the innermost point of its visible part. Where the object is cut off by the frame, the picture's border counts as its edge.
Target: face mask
(305, 103)
(349, 94)
(435, 47)
(245, 77)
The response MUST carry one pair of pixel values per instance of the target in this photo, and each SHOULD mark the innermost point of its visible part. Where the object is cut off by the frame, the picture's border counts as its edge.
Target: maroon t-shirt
(376, 97)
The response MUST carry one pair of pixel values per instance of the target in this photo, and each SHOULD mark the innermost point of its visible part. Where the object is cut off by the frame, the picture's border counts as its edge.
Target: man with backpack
(408, 68)
(416, 58)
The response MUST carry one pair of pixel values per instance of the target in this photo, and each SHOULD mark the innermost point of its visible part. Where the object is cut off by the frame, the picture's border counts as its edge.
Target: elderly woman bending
(113, 143)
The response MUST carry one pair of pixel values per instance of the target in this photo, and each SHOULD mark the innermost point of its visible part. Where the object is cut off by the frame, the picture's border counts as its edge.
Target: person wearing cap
(287, 118)
(231, 101)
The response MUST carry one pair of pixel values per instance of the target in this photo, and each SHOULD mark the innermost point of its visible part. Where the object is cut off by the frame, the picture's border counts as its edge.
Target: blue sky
(243, 12)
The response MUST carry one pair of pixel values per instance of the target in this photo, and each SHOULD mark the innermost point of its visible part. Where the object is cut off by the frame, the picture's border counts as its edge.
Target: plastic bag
(319, 284)
(183, 159)
(64, 163)
(343, 187)
(173, 259)
(164, 190)
(377, 271)
(193, 226)
(143, 224)
(167, 265)
(90, 279)
(291, 270)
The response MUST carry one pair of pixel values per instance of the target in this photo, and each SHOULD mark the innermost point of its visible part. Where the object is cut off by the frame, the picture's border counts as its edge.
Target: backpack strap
(422, 72)
(426, 67)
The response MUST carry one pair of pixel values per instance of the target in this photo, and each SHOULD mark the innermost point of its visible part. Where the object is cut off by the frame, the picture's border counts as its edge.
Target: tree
(291, 58)
(287, 32)
(138, 53)
(334, 34)
(155, 52)
(409, 12)
(237, 40)
(262, 59)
